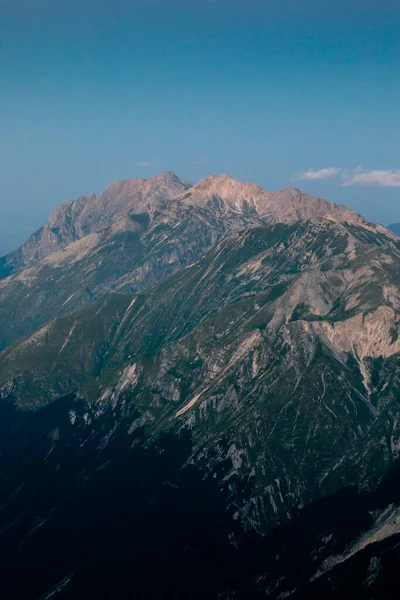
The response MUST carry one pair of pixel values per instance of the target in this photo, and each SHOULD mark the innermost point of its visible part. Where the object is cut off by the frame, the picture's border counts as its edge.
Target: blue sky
(279, 92)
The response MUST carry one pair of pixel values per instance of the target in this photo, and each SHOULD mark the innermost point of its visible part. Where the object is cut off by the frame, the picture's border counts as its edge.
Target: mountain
(395, 227)
(73, 220)
(223, 428)
(130, 255)
(134, 235)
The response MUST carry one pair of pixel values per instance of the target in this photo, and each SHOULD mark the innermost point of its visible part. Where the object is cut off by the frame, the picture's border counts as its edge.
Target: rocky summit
(199, 396)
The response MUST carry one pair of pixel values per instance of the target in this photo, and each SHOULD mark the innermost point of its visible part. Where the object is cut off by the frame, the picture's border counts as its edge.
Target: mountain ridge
(136, 233)
(88, 214)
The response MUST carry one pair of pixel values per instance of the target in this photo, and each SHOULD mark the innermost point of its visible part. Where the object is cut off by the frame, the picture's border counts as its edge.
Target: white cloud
(379, 178)
(144, 164)
(316, 174)
(202, 161)
(359, 176)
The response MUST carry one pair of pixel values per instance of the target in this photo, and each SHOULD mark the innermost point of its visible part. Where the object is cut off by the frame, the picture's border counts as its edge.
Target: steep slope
(321, 270)
(317, 295)
(88, 214)
(275, 356)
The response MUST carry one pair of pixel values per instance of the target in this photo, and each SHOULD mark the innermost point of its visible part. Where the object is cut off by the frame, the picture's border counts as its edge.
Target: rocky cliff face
(73, 220)
(130, 255)
(242, 377)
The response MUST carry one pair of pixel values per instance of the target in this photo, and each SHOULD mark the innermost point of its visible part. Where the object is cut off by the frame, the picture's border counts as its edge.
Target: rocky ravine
(233, 428)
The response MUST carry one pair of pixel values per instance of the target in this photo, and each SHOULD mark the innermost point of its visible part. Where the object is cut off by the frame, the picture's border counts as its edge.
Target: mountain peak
(168, 177)
(233, 195)
(77, 218)
(223, 182)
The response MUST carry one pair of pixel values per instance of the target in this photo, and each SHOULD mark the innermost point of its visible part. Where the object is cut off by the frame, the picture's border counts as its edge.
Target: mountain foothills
(200, 398)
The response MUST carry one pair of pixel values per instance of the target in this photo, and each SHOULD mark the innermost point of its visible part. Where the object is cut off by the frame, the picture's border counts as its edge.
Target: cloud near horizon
(377, 178)
(201, 161)
(317, 174)
(144, 163)
(352, 177)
